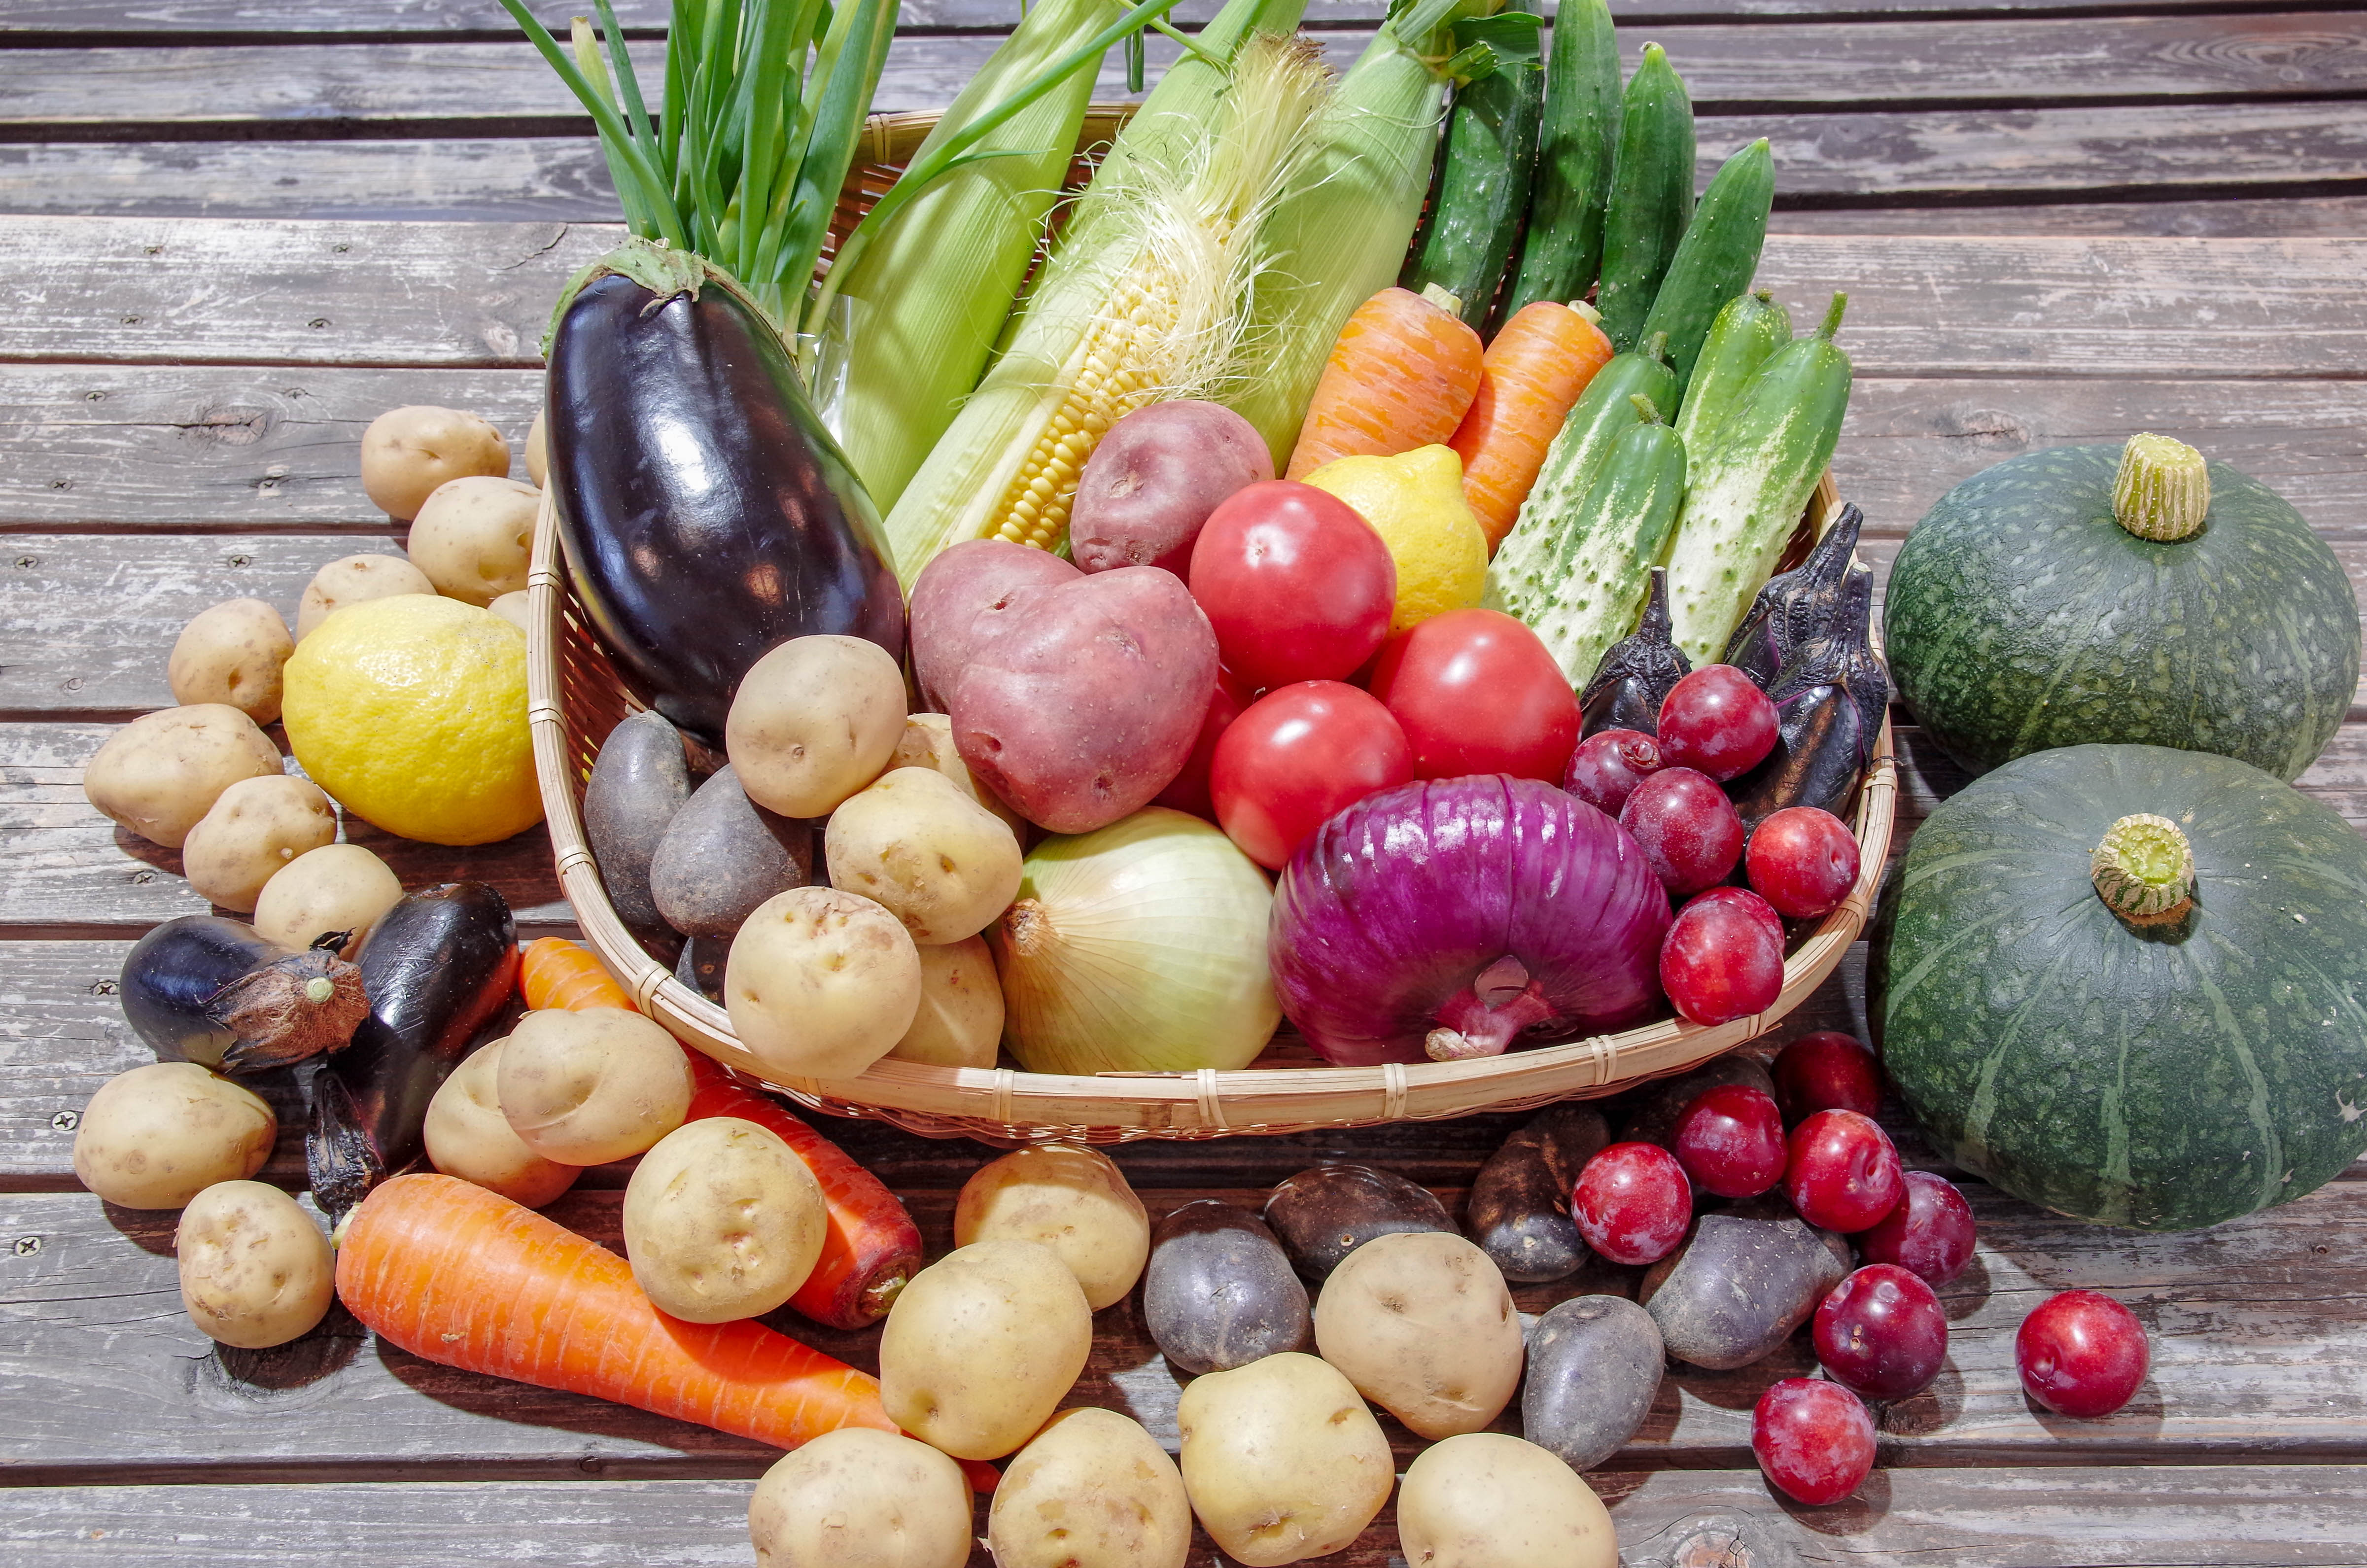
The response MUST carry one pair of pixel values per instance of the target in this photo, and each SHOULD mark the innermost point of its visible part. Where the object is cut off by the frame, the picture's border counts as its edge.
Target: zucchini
(1550, 534)
(1749, 330)
(1481, 189)
(1651, 197)
(1751, 486)
(1576, 142)
(1611, 542)
(1716, 259)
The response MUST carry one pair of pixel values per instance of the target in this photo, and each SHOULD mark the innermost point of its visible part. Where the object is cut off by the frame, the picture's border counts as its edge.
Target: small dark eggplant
(438, 967)
(707, 512)
(1519, 1208)
(1792, 610)
(639, 783)
(219, 994)
(1218, 1291)
(1322, 1215)
(1636, 675)
(1828, 708)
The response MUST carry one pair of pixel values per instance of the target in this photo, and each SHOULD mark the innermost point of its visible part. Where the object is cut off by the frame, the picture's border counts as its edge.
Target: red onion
(1445, 917)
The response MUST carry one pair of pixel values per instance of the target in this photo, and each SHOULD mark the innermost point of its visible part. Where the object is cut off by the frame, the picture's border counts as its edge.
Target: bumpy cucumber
(1651, 197)
(1537, 556)
(1576, 144)
(1613, 540)
(1750, 487)
(1746, 335)
(1716, 259)
(1481, 190)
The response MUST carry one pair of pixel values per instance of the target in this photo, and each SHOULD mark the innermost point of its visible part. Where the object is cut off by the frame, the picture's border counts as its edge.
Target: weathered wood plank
(2258, 1356)
(227, 449)
(87, 620)
(71, 871)
(183, 290)
(2290, 217)
(76, 93)
(1853, 159)
(2204, 1516)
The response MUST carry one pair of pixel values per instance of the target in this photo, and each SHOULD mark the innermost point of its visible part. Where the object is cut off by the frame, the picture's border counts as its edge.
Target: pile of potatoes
(1282, 1456)
(839, 954)
(204, 779)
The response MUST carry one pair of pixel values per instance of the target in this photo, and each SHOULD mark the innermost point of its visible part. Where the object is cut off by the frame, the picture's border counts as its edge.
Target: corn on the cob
(1145, 298)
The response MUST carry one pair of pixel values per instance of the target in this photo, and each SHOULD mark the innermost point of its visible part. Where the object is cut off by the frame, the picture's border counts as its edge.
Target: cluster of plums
(1881, 1334)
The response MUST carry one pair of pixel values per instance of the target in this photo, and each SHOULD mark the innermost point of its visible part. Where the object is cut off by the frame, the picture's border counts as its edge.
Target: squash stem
(2144, 870)
(2163, 488)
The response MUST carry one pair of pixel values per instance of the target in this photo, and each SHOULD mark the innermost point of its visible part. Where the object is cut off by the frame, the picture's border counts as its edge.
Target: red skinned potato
(1154, 480)
(1087, 706)
(965, 597)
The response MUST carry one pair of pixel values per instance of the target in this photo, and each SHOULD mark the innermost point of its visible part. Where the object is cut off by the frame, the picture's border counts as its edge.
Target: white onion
(1140, 947)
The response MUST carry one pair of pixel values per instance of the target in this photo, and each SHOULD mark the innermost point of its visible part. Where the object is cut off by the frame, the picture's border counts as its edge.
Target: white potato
(722, 1221)
(861, 1498)
(338, 887)
(538, 452)
(160, 775)
(158, 1135)
(469, 1137)
(473, 535)
(935, 858)
(585, 1088)
(1070, 1198)
(407, 452)
(1094, 1489)
(821, 983)
(814, 721)
(256, 1270)
(1281, 1459)
(959, 1023)
(257, 829)
(352, 580)
(233, 652)
(1487, 1500)
(1421, 1322)
(514, 608)
(928, 742)
(982, 1346)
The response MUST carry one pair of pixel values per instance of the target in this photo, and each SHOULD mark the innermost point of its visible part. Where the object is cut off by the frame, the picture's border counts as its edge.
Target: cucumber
(1481, 189)
(1717, 257)
(1537, 557)
(1651, 197)
(1612, 540)
(1748, 331)
(1576, 144)
(1751, 486)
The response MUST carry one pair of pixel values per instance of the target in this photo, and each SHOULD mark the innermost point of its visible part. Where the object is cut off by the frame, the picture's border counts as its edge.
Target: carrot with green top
(1529, 380)
(465, 1278)
(1401, 375)
(555, 973)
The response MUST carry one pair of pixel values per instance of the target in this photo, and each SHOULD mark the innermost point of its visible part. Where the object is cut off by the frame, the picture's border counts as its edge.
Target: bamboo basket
(574, 698)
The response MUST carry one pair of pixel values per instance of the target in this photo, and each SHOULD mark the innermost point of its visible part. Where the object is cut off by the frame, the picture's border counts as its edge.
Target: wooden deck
(237, 230)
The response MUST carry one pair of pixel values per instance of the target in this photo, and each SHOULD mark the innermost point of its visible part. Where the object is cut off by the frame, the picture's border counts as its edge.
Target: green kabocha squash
(2130, 983)
(2121, 595)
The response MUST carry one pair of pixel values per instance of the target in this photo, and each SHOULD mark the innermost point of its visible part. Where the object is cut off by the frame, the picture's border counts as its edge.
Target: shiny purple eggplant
(1794, 609)
(1626, 689)
(706, 513)
(1452, 917)
(1829, 700)
(221, 994)
(438, 967)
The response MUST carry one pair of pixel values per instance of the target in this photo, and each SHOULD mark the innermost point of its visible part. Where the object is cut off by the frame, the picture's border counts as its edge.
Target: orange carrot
(1530, 380)
(870, 1247)
(555, 973)
(1400, 377)
(465, 1278)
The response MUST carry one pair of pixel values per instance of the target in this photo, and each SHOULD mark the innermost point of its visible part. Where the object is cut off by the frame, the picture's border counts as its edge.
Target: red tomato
(1189, 792)
(1297, 586)
(1298, 756)
(1478, 693)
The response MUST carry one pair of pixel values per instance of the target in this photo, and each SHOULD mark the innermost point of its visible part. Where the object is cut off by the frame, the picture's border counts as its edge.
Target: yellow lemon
(411, 711)
(1414, 501)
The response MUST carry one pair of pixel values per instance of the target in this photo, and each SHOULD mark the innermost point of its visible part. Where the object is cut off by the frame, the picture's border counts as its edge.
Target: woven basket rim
(1007, 1106)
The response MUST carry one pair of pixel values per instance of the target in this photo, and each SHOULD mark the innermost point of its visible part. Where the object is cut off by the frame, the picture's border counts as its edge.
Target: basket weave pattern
(575, 698)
